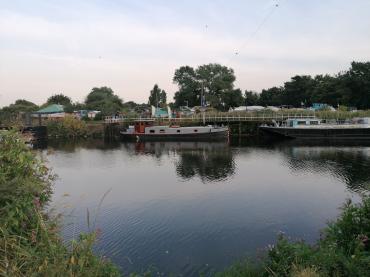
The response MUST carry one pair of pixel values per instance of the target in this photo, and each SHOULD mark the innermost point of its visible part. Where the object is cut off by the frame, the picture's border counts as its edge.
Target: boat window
(178, 131)
(152, 131)
(195, 130)
(161, 131)
(314, 123)
(301, 123)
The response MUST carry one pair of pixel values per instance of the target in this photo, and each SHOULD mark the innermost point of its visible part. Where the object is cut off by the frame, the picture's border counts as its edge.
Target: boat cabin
(294, 122)
(140, 125)
(361, 120)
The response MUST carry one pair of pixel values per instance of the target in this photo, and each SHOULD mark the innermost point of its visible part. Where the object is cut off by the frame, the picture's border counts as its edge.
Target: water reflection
(215, 161)
(211, 161)
(71, 145)
(349, 164)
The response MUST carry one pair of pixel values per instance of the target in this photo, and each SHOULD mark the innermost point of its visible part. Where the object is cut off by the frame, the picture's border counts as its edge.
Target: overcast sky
(49, 47)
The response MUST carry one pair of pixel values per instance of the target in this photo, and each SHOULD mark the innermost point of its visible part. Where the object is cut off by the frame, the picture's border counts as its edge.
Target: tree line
(213, 85)
(216, 84)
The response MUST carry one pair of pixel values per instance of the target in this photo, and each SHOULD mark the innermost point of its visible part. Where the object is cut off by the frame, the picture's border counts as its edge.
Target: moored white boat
(146, 130)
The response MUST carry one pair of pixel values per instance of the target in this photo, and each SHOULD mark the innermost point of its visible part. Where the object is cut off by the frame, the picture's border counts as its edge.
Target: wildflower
(36, 202)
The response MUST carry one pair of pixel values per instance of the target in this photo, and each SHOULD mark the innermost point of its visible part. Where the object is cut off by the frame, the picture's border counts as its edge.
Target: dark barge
(307, 129)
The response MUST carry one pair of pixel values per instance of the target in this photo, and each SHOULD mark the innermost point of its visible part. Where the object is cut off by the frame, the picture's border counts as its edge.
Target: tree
(214, 81)
(130, 105)
(329, 90)
(232, 99)
(10, 112)
(189, 87)
(251, 98)
(272, 97)
(60, 99)
(298, 90)
(357, 82)
(103, 99)
(157, 97)
(218, 82)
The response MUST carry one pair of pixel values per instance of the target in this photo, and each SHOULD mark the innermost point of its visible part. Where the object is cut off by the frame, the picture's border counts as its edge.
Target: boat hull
(218, 135)
(319, 133)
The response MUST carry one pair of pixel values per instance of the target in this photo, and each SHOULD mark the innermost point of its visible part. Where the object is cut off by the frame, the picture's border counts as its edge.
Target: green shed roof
(160, 112)
(54, 108)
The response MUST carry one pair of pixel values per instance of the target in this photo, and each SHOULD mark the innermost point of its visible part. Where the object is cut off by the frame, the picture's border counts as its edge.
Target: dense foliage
(211, 84)
(103, 99)
(29, 239)
(350, 88)
(67, 127)
(11, 112)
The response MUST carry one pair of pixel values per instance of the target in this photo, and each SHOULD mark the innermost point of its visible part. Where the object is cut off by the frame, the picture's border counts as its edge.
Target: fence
(211, 118)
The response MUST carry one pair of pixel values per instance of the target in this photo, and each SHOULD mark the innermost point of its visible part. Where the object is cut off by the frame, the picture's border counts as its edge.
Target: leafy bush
(30, 244)
(343, 250)
(68, 127)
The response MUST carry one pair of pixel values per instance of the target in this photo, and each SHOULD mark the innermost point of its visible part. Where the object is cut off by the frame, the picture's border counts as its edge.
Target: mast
(202, 103)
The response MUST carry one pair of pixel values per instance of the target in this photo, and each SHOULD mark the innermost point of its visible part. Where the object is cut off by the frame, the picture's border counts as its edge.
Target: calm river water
(185, 208)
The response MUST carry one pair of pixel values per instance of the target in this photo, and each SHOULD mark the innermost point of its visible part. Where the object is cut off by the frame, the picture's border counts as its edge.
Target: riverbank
(30, 243)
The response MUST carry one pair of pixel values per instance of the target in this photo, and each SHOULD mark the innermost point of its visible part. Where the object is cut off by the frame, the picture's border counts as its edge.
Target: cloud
(71, 49)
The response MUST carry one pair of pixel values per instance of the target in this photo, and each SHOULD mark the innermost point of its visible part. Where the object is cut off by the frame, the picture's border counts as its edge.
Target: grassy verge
(343, 250)
(30, 244)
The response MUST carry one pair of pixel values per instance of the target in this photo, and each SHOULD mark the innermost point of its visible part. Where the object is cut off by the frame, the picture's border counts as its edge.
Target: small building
(86, 113)
(53, 112)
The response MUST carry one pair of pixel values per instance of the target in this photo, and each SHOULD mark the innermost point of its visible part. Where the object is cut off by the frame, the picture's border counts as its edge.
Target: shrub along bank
(68, 127)
(30, 244)
(343, 250)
